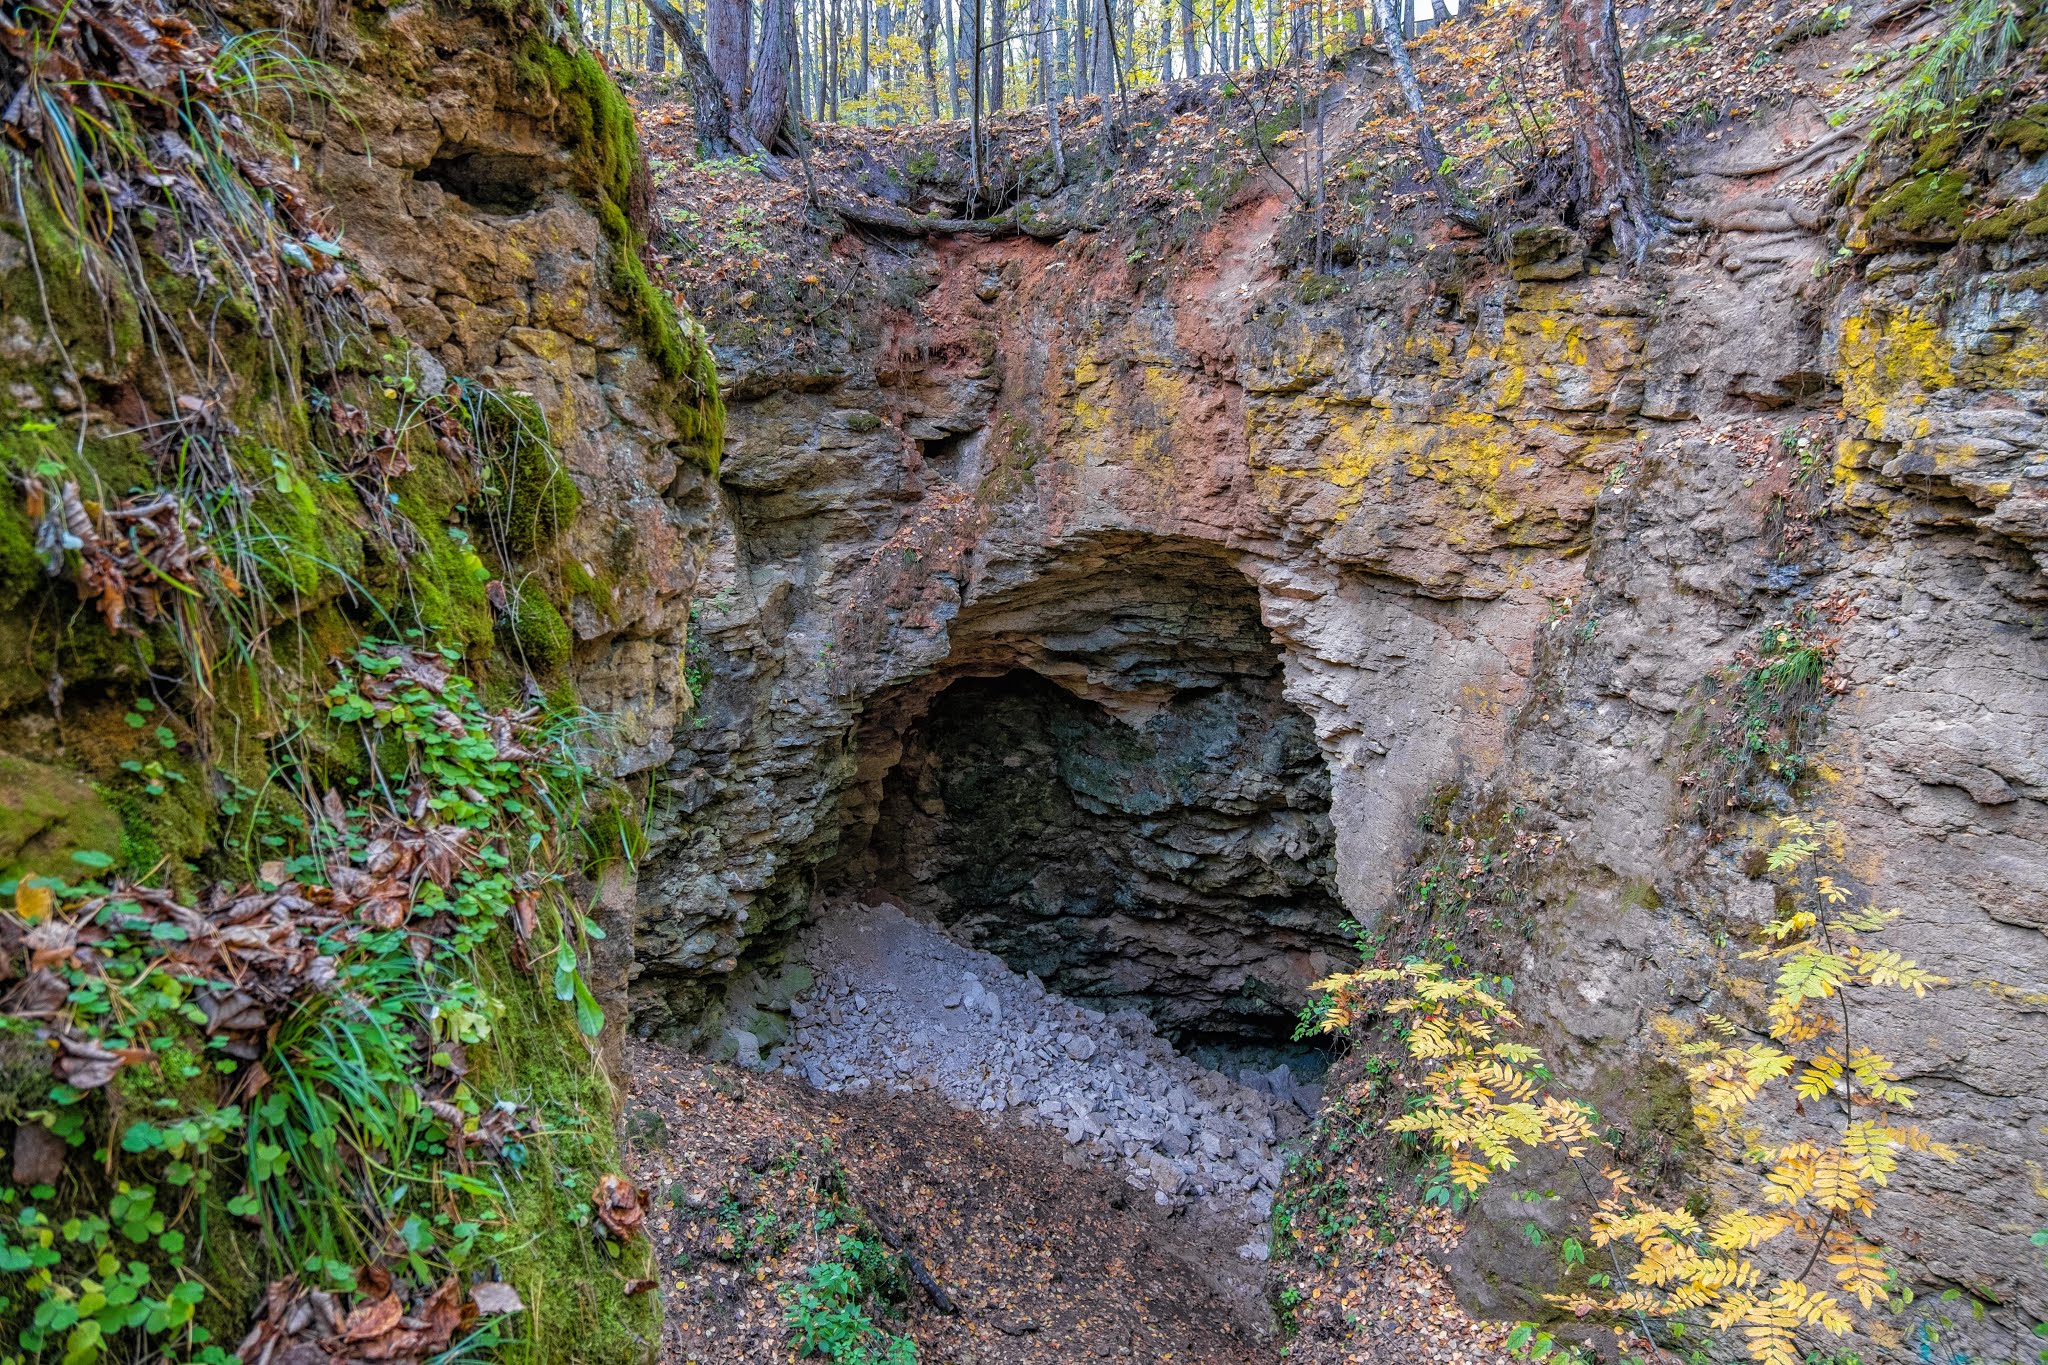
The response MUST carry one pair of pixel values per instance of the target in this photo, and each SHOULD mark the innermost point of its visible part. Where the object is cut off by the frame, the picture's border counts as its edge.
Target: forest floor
(754, 1177)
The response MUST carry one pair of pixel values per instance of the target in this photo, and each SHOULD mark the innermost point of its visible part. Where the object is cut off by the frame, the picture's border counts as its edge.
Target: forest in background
(896, 62)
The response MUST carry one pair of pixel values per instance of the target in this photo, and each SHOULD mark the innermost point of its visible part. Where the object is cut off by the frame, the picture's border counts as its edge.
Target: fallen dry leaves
(130, 553)
(300, 1326)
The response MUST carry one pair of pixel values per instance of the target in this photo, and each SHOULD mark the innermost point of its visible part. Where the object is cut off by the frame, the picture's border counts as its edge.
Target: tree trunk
(657, 47)
(798, 98)
(928, 39)
(1439, 12)
(998, 41)
(1190, 57)
(768, 105)
(1084, 47)
(728, 38)
(835, 79)
(1611, 188)
(1048, 90)
(955, 34)
(974, 95)
(1411, 94)
(1061, 74)
(867, 70)
(715, 132)
(1102, 61)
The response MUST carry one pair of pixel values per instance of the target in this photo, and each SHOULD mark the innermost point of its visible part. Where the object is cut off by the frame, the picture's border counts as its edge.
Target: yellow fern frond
(1771, 1344)
(1836, 1186)
(1744, 1231)
(1822, 1076)
(1813, 974)
(1883, 967)
(1860, 1270)
(1790, 853)
(1788, 1181)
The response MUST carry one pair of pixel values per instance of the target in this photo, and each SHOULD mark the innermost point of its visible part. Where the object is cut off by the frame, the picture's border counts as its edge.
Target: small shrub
(829, 1314)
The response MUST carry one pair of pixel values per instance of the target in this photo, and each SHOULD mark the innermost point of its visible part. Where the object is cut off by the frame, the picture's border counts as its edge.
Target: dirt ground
(1043, 1263)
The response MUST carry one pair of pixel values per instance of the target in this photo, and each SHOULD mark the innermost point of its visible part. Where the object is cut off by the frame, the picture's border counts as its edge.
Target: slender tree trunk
(1048, 90)
(867, 70)
(928, 39)
(1102, 61)
(1190, 56)
(814, 60)
(768, 105)
(715, 132)
(657, 47)
(1411, 94)
(974, 114)
(998, 52)
(1611, 188)
(956, 30)
(1063, 52)
(728, 39)
(1439, 12)
(834, 78)
(1084, 49)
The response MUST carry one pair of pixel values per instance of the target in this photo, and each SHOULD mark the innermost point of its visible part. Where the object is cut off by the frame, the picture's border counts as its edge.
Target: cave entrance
(1130, 809)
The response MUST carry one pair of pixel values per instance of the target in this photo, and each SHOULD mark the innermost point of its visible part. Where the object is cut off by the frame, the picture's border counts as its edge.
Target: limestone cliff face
(1510, 532)
(461, 176)
(465, 178)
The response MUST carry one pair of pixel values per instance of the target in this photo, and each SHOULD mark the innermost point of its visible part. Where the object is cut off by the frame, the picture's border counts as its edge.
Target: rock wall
(463, 177)
(1509, 527)
(415, 386)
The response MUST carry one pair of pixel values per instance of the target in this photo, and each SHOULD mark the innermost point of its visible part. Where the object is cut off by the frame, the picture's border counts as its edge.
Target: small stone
(746, 1048)
(1079, 1046)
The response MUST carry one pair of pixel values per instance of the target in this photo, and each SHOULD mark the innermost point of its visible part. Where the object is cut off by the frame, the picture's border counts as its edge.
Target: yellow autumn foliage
(1486, 1101)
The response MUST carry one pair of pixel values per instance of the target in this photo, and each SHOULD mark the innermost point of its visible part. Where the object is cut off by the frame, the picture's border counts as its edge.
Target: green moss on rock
(2029, 218)
(535, 632)
(572, 1278)
(2025, 133)
(612, 175)
(1929, 207)
(438, 585)
(531, 496)
(48, 813)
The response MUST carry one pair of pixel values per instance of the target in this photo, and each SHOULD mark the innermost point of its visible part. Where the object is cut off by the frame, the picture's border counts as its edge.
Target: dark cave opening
(491, 182)
(1176, 856)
